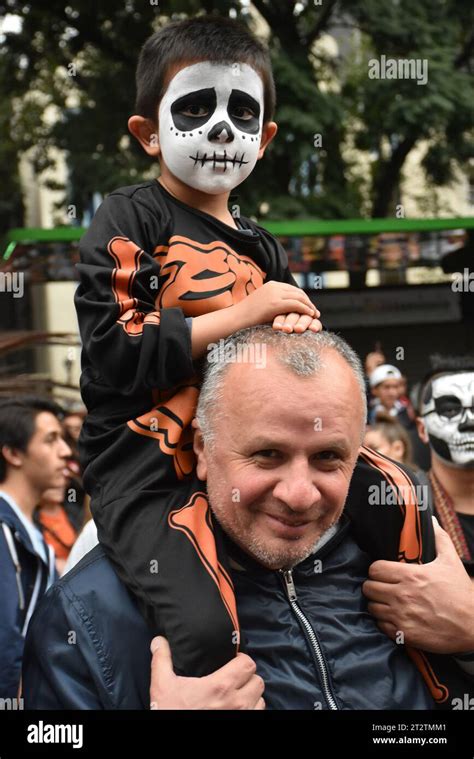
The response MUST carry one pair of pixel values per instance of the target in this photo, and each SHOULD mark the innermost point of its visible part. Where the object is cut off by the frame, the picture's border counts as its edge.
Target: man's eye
(267, 453)
(449, 410)
(243, 113)
(327, 456)
(194, 110)
(448, 407)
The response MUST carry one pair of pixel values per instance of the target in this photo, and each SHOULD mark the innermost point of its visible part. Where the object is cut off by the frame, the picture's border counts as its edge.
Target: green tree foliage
(80, 57)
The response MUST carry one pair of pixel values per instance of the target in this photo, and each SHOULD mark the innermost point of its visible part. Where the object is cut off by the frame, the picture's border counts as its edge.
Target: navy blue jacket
(21, 586)
(88, 646)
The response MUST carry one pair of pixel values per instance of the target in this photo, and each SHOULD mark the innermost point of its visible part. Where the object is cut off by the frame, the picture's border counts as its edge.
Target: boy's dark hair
(17, 422)
(442, 365)
(204, 38)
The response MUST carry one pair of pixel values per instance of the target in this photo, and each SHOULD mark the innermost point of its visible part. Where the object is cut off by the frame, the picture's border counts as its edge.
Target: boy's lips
(219, 158)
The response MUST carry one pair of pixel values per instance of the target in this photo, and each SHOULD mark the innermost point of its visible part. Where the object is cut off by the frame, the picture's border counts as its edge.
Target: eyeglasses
(448, 406)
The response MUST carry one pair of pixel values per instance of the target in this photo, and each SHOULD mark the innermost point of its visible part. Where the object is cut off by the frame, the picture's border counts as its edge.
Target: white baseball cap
(382, 373)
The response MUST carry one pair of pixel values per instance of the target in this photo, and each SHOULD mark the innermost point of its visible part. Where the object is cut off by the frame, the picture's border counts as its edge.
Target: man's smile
(286, 528)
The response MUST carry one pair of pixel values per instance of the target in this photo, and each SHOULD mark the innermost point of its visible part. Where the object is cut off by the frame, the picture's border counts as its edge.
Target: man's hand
(233, 686)
(431, 604)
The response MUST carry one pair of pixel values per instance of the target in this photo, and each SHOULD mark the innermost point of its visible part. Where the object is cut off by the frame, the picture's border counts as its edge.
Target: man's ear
(269, 131)
(145, 131)
(12, 456)
(420, 426)
(200, 451)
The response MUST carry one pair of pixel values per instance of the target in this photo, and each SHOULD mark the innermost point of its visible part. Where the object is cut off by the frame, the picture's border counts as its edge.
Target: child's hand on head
(272, 299)
(297, 323)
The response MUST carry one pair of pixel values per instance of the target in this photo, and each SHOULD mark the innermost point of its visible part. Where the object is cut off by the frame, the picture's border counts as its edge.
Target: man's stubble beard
(285, 557)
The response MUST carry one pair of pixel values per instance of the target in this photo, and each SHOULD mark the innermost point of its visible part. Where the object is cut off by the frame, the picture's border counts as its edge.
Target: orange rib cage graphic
(126, 255)
(410, 548)
(194, 520)
(438, 691)
(204, 277)
(169, 424)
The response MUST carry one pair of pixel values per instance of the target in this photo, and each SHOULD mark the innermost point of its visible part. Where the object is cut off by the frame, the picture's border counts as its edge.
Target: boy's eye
(193, 109)
(244, 113)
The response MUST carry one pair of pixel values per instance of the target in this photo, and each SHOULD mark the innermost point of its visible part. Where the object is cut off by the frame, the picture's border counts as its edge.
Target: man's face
(210, 125)
(448, 417)
(73, 425)
(279, 471)
(387, 392)
(44, 461)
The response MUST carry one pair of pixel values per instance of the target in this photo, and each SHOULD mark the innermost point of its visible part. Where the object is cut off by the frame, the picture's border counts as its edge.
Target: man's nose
(467, 421)
(297, 490)
(64, 450)
(221, 132)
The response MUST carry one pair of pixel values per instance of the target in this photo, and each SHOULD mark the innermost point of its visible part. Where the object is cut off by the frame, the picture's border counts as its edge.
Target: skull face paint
(210, 123)
(448, 413)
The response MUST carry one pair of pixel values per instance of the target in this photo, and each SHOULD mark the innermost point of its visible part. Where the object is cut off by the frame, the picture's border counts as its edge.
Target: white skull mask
(448, 412)
(210, 123)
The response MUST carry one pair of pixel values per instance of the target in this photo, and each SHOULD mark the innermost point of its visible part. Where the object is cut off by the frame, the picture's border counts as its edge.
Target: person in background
(404, 397)
(384, 383)
(72, 427)
(74, 494)
(52, 519)
(446, 422)
(388, 437)
(32, 459)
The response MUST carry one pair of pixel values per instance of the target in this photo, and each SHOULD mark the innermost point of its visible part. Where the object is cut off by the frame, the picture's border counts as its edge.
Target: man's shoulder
(87, 642)
(93, 574)
(92, 589)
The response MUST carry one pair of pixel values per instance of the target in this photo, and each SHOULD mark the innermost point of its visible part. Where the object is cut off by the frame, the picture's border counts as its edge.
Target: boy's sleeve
(128, 341)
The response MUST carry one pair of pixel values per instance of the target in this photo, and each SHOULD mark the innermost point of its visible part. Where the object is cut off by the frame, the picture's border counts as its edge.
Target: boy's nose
(221, 132)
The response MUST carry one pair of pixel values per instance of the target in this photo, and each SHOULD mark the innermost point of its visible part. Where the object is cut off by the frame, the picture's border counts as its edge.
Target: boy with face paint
(165, 272)
(446, 422)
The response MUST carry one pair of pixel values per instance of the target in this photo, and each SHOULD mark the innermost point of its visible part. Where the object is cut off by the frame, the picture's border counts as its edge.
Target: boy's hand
(271, 300)
(234, 686)
(296, 323)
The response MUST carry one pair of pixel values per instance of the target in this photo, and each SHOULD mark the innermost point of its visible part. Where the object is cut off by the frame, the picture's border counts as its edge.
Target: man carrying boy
(165, 271)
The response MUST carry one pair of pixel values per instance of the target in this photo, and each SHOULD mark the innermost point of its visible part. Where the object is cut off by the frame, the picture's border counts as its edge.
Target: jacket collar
(8, 516)
(240, 561)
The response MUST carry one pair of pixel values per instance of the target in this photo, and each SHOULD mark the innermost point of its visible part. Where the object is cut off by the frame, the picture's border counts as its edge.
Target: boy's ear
(145, 131)
(269, 131)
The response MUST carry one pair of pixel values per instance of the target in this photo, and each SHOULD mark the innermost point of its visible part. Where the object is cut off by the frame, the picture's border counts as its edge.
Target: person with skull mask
(165, 272)
(433, 604)
(446, 422)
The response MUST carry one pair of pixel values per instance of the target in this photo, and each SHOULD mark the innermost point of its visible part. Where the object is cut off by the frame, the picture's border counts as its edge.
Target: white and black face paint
(210, 124)
(448, 413)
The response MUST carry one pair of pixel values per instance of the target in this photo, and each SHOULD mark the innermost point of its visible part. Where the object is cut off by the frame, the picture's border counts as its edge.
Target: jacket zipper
(311, 635)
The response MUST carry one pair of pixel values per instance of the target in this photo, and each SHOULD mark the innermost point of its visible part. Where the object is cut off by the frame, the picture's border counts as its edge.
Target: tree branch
(322, 21)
